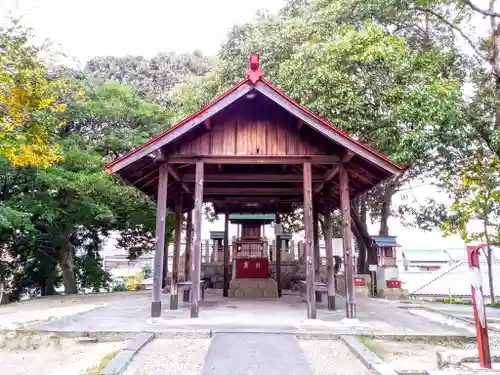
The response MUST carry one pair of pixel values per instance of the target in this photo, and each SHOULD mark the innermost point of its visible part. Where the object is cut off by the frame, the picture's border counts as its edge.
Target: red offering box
(252, 268)
(359, 281)
(393, 284)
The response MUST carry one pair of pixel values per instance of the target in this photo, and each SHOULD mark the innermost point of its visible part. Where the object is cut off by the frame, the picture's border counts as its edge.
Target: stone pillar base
(362, 291)
(253, 288)
(393, 293)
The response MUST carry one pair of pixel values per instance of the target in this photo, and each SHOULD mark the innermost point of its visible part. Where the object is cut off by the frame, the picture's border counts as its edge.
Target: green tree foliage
(153, 78)
(368, 67)
(31, 101)
(70, 207)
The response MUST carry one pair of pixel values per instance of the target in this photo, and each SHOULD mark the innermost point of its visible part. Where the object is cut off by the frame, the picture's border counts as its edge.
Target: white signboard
(372, 267)
(277, 229)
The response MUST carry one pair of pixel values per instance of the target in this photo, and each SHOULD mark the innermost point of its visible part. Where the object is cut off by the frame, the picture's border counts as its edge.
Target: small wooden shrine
(250, 256)
(385, 279)
(253, 150)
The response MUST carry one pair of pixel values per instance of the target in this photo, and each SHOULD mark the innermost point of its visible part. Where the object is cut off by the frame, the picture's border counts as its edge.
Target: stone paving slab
(131, 314)
(256, 354)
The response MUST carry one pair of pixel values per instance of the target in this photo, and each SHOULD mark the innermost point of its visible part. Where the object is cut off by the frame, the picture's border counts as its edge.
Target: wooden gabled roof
(255, 81)
(368, 166)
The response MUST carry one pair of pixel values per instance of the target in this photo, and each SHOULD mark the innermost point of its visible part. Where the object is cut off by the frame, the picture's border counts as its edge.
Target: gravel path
(332, 357)
(177, 356)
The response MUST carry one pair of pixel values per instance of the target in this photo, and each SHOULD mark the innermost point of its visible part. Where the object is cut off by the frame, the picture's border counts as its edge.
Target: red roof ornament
(255, 71)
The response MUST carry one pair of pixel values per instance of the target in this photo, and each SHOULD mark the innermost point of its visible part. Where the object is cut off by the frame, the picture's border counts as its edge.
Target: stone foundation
(253, 288)
(291, 274)
(363, 291)
(393, 293)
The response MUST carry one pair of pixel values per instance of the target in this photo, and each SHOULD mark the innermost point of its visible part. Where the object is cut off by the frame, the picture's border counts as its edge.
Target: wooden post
(196, 261)
(215, 250)
(291, 248)
(301, 252)
(317, 258)
(164, 282)
(345, 208)
(187, 253)
(208, 256)
(161, 216)
(189, 244)
(309, 245)
(327, 194)
(174, 292)
(278, 257)
(234, 248)
(273, 250)
(225, 291)
(265, 248)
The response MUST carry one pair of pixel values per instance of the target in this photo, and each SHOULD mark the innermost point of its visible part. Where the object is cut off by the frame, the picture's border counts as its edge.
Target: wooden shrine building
(253, 150)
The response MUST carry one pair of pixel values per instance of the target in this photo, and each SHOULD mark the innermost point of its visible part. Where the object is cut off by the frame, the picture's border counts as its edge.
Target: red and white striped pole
(483, 345)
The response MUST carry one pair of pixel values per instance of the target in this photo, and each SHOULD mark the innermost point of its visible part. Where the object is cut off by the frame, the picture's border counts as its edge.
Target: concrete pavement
(287, 314)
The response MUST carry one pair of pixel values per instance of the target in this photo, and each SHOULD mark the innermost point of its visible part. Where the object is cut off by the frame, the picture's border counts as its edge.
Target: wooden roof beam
(252, 191)
(208, 124)
(176, 175)
(331, 173)
(251, 177)
(255, 159)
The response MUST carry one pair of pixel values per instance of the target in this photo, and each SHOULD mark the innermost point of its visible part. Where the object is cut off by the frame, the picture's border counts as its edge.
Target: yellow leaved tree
(32, 101)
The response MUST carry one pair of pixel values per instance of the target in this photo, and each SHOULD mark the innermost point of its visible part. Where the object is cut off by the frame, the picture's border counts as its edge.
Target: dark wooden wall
(250, 137)
(254, 128)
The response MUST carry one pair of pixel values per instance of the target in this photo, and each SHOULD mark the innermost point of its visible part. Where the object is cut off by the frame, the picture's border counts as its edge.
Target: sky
(84, 29)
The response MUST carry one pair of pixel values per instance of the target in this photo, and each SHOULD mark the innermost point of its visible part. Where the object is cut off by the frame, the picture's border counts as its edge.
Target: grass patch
(454, 301)
(371, 345)
(96, 370)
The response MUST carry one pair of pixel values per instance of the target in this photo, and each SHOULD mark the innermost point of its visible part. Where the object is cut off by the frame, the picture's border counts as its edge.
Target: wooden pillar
(189, 244)
(327, 194)
(164, 281)
(207, 258)
(317, 258)
(187, 253)
(196, 260)
(291, 250)
(345, 209)
(265, 249)
(161, 216)
(278, 257)
(174, 292)
(227, 264)
(215, 250)
(309, 245)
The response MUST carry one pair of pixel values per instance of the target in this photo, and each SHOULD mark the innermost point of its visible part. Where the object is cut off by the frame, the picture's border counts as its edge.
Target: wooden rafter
(331, 173)
(177, 176)
(251, 177)
(255, 159)
(252, 191)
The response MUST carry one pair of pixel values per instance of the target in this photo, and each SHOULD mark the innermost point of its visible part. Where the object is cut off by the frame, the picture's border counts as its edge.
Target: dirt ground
(39, 354)
(408, 355)
(16, 315)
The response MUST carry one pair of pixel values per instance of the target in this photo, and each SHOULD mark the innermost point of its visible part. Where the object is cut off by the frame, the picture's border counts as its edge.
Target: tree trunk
(495, 63)
(360, 242)
(360, 231)
(489, 257)
(385, 211)
(67, 264)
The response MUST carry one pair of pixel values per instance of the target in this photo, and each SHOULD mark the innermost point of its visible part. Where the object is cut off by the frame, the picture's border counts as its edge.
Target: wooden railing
(249, 249)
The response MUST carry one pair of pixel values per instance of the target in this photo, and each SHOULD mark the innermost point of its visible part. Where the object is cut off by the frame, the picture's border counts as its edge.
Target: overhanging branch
(484, 12)
(454, 27)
